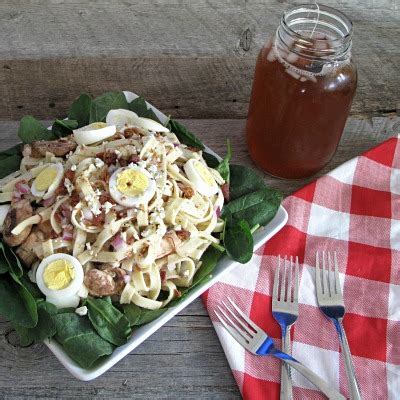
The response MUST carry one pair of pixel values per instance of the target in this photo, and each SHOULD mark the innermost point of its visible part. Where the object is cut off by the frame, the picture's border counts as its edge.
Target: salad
(110, 217)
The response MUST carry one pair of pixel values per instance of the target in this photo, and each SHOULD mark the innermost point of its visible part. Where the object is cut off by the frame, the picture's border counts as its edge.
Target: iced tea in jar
(303, 87)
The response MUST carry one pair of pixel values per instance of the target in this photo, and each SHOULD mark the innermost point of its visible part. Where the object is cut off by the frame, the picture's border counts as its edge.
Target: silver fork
(285, 310)
(255, 340)
(330, 302)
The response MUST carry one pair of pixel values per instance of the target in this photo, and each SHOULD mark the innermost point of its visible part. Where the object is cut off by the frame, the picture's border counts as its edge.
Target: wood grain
(191, 59)
(184, 358)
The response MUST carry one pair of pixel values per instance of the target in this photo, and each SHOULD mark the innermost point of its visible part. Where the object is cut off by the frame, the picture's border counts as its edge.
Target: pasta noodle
(151, 248)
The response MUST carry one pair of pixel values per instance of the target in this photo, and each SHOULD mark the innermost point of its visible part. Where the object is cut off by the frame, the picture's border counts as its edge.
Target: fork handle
(322, 385)
(286, 383)
(354, 387)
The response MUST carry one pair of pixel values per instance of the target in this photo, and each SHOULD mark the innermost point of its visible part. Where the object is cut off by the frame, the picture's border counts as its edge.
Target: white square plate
(142, 333)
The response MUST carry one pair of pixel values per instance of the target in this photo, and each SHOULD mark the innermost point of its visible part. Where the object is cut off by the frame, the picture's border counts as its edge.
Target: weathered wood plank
(183, 359)
(193, 60)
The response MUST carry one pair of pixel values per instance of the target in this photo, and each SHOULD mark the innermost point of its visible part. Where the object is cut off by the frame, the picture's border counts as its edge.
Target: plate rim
(224, 265)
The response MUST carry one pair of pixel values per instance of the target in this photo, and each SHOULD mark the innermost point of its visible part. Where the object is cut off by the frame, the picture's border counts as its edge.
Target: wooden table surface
(194, 60)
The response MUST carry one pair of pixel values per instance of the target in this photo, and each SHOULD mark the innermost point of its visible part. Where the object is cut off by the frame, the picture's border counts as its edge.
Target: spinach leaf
(223, 166)
(209, 260)
(14, 264)
(45, 327)
(184, 135)
(30, 130)
(210, 160)
(12, 151)
(140, 316)
(4, 266)
(139, 106)
(256, 208)
(32, 288)
(79, 339)
(108, 321)
(9, 164)
(101, 105)
(63, 128)
(238, 241)
(16, 303)
(80, 110)
(244, 180)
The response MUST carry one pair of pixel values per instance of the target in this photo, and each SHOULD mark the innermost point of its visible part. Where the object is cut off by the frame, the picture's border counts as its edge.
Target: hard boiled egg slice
(93, 133)
(151, 125)
(48, 180)
(201, 177)
(59, 277)
(131, 186)
(121, 117)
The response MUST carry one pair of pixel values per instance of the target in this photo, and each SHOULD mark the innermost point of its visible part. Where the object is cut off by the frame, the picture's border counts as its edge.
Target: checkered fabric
(354, 210)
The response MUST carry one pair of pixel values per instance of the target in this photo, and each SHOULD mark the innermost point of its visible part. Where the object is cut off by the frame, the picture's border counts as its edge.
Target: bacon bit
(97, 220)
(137, 269)
(225, 191)
(123, 162)
(103, 198)
(69, 174)
(109, 156)
(177, 293)
(183, 234)
(134, 158)
(187, 191)
(74, 198)
(130, 240)
(61, 190)
(163, 276)
(132, 132)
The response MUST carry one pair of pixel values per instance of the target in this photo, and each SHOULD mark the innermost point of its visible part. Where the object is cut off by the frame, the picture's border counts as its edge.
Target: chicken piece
(169, 243)
(106, 282)
(59, 147)
(18, 212)
(25, 250)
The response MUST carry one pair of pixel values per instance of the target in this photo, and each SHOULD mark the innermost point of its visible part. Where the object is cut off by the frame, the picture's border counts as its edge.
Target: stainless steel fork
(255, 340)
(330, 302)
(285, 310)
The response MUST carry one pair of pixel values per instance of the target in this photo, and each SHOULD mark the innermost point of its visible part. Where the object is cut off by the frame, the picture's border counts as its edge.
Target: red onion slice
(22, 187)
(118, 243)
(67, 234)
(48, 202)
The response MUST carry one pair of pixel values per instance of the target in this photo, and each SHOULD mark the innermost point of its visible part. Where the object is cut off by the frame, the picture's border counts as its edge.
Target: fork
(285, 310)
(330, 302)
(255, 340)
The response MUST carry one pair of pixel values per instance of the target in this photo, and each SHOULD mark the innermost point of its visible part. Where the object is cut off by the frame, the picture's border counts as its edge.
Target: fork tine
(232, 331)
(318, 274)
(296, 282)
(337, 280)
(283, 283)
(255, 327)
(276, 280)
(289, 285)
(330, 275)
(324, 275)
(245, 327)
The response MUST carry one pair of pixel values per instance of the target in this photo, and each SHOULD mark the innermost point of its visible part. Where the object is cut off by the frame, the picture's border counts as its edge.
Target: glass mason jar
(303, 87)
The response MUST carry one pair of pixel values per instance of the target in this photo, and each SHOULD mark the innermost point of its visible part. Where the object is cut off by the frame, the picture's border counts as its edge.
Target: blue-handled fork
(285, 310)
(255, 340)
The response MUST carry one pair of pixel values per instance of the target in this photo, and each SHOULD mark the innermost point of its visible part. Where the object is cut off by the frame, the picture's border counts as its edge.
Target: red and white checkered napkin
(354, 210)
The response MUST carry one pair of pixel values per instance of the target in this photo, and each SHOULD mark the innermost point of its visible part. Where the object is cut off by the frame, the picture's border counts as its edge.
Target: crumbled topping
(88, 246)
(69, 186)
(73, 167)
(107, 206)
(98, 162)
(81, 311)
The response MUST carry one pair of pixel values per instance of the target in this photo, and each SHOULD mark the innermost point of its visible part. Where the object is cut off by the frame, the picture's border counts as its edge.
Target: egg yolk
(58, 274)
(98, 125)
(204, 173)
(131, 182)
(45, 178)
